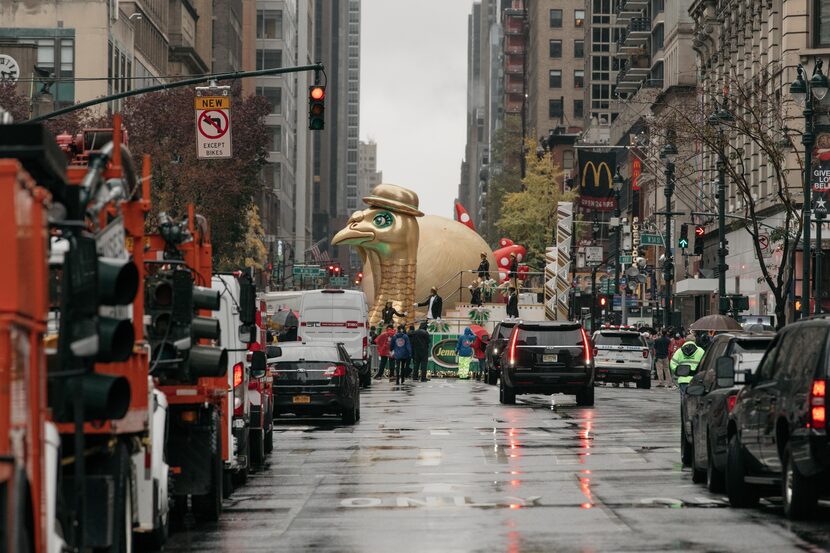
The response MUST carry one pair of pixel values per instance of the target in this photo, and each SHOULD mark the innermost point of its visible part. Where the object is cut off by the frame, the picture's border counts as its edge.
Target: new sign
(213, 122)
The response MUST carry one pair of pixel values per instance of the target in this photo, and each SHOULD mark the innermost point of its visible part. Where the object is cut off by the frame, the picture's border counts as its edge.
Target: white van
(338, 316)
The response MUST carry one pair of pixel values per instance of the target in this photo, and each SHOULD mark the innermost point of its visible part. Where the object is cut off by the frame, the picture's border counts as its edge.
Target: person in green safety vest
(689, 354)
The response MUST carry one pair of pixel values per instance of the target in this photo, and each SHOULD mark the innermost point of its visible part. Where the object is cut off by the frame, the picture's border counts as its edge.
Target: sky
(413, 94)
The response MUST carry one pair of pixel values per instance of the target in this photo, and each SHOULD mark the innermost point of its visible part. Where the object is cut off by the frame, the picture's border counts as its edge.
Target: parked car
(338, 316)
(708, 402)
(492, 355)
(316, 378)
(622, 356)
(777, 431)
(547, 358)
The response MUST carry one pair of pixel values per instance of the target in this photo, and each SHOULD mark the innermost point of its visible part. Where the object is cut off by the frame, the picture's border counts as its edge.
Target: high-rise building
(367, 168)
(336, 149)
(601, 66)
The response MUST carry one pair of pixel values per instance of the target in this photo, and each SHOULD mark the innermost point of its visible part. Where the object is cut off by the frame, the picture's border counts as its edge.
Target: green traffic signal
(683, 243)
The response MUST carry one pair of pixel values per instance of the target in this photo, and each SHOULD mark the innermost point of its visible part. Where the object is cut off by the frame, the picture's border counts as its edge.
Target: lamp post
(668, 154)
(820, 212)
(618, 184)
(803, 92)
(720, 120)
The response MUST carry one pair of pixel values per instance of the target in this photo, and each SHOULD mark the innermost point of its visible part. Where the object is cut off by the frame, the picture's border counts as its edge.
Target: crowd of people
(674, 347)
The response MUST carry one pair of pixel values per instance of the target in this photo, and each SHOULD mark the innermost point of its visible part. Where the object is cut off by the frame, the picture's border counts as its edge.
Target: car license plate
(549, 358)
(302, 399)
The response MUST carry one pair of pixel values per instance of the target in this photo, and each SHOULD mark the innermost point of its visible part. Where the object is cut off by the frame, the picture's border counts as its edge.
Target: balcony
(633, 5)
(514, 69)
(515, 49)
(513, 88)
(637, 32)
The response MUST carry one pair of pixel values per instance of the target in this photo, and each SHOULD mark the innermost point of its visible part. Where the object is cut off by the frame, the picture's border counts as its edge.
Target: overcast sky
(413, 94)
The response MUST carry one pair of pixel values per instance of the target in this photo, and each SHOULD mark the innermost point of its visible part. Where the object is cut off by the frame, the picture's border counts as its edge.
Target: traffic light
(205, 360)
(700, 235)
(316, 107)
(359, 278)
(683, 240)
(90, 284)
(603, 301)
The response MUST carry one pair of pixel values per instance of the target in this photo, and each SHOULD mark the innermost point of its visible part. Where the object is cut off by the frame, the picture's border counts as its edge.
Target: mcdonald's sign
(596, 174)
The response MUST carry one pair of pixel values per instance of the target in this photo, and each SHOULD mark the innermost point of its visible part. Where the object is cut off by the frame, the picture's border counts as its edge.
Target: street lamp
(803, 92)
(668, 153)
(720, 120)
(618, 184)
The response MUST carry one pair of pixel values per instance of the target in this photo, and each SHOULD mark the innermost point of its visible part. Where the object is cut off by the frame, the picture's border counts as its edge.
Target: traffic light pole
(722, 266)
(179, 84)
(668, 269)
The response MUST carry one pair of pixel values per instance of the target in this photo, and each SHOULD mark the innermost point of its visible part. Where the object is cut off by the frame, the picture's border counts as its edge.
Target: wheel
(209, 506)
(492, 378)
(698, 474)
(349, 416)
(799, 491)
(269, 439)
(122, 530)
(256, 448)
(366, 380)
(227, 484)
(686, 449)
(507, 395)
(240, 477)
(644, 383)
(740, 493)
(714, 477)
(585, 397)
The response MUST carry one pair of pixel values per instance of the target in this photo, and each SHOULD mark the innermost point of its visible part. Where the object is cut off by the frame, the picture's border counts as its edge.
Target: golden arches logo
(597, 171)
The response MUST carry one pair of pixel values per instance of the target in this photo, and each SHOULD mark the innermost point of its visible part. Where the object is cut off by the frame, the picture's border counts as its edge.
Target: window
(555, 108)
(556, 48)
(555, 78)
(579, 48)
(579, 109)
(568, 158)
(268, 59)
(277, 175)
(579, 18)
(274, 96)
(579, 78)
(821, 22)
(276, 139)
(556, 18)
(269, 24)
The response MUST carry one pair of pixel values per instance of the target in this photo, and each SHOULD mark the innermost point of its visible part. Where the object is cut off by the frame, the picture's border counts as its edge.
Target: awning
(696, 286)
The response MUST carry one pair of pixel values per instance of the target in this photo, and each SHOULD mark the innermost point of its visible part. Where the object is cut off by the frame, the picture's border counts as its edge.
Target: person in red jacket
(479, 347)
(383, 342)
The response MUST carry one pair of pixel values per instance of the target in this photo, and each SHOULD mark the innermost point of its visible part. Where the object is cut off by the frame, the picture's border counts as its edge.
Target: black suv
(492, 355)
(709, 400)
(547, 358)
(778, 429)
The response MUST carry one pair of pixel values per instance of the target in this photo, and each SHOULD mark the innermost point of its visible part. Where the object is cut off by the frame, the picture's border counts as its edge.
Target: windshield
(619, 339)
(740, 346)
(311, 353)
(550, 336)
(504, 331)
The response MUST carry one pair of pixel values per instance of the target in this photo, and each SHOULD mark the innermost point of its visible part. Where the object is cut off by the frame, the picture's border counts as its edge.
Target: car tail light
(645, 354)
(818, 409)
(514, 337)
(249, 356)
(588, 349)
(365, 348)
(237, 374)
(335, 370)
(730, 402)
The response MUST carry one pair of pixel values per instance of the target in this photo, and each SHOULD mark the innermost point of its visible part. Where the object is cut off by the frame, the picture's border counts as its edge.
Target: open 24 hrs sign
(213, 127)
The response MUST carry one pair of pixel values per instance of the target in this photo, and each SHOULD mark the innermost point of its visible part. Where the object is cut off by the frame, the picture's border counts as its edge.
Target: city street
(442, 466)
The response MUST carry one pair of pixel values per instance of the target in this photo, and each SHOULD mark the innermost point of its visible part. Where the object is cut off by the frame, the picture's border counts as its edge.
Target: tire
(349, 416)
(798, 491)
(686, 449)
(698, 474)
(644, 383)
(269, 439)
(507, 395)
(256, 450)
(741, 495)
(715, 480)
(492, 378)
(585, 397)
(227, 484)
(208, 507)
(366, 380)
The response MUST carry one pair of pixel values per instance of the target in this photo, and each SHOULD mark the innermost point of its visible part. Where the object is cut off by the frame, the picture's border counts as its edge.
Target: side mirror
(257, 364)
(273, 351)
(725, 371)
(695, 389)
(683, 370)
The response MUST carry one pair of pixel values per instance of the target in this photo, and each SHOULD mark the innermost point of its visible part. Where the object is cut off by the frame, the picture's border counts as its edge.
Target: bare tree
(758, 144)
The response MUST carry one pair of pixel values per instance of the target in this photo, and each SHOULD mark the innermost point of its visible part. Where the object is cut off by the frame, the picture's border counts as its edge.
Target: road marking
(439, 432)
(429, 457)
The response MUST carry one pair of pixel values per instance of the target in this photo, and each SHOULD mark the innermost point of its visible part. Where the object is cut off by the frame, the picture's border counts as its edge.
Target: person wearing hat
(434, 305)
(484, 275)
(688, 354)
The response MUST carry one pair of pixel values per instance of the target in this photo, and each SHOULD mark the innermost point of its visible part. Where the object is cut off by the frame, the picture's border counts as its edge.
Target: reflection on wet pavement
(442, 466)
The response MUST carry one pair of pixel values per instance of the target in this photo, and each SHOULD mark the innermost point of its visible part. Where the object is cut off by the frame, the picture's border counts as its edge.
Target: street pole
(593, 299)
(722, 266)
(821, 212)
(807, 139)
(668, 267)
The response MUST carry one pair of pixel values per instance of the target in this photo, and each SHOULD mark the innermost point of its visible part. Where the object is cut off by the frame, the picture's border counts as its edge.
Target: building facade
(367, 168)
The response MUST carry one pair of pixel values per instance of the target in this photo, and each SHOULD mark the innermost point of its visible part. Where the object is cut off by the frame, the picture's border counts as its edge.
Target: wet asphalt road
(443, 467)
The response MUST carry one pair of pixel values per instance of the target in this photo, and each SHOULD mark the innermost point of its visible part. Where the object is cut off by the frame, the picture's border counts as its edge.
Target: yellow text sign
(213, 102)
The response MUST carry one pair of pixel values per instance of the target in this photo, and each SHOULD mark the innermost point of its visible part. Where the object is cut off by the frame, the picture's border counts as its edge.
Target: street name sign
(306, 270)
(626, 259)
(651, 240)
(213, 122)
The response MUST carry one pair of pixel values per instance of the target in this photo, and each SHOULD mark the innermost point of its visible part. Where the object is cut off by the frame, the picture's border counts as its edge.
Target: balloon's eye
(383, 219)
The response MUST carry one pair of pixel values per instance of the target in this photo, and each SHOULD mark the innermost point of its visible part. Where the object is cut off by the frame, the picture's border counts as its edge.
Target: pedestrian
(676, 343)
(475, 293)
(409, 332)
(383, 343)
(512, 304)
(689, 354)
(479, 348)
(513, 273)
(661, 356)
(420, 351)
(401, 352)
(434, 305)
(484, 268)
(464, 351)
(389, 313)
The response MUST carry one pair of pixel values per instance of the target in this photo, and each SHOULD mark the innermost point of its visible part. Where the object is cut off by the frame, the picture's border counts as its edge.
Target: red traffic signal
(700, 230)
(603, 301)
(316, 107)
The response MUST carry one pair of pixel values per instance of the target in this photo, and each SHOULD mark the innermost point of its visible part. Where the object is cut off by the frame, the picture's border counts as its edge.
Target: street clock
(9, 69)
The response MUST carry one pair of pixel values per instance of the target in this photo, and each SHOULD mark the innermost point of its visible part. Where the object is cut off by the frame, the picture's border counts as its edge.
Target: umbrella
(481, 332)
(716, 323)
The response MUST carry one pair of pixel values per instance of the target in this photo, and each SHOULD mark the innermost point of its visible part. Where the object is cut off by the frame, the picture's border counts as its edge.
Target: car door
(751, 418)
(352, 380)
(696, 406)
